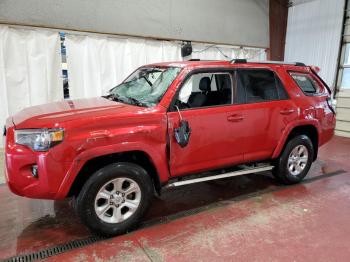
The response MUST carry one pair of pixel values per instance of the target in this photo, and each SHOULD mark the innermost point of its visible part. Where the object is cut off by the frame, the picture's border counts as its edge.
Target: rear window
(306, 83)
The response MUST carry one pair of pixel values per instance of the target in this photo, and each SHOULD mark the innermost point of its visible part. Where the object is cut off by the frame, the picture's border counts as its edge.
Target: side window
(282, 93)
(205, 89)
(259, 85)
(306, 83)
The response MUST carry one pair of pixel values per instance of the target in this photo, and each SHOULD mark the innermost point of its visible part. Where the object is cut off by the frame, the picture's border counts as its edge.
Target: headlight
(39, 139)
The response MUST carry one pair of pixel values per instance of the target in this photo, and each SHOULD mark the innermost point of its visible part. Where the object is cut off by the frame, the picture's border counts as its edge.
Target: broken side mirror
(183, 132)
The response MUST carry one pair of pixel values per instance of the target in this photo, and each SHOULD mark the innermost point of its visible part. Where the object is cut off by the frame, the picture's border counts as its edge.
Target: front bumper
(19, 161)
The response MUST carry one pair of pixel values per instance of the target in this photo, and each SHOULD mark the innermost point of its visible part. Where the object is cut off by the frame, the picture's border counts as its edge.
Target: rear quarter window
(307, 83)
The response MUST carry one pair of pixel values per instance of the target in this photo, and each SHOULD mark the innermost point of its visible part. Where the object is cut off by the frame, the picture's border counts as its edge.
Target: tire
(121, 193)
(291, 167)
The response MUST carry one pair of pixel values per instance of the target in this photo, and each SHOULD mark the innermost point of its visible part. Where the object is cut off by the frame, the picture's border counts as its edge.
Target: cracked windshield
(145, 87)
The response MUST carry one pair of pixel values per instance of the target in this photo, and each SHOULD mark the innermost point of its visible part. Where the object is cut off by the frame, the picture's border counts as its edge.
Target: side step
(229, 174)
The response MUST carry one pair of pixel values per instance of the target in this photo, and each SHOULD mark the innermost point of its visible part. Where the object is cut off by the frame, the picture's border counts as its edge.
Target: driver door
(215, 121)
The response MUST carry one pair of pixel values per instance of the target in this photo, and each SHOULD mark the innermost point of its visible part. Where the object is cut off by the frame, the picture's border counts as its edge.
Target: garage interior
(50, 51)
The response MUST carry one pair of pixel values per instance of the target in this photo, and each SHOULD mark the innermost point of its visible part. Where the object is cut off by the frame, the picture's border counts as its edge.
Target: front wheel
(114, 199)
(295, 161)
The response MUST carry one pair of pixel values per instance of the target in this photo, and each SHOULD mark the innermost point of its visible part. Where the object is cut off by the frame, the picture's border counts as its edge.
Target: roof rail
(194, 59)
(243, 61)
(239, 61)
(279, 63)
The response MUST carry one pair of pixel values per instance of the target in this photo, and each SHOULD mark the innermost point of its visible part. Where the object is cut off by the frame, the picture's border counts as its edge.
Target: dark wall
(278, 27)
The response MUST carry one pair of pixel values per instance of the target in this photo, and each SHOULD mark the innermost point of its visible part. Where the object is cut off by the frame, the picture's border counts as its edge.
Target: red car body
(98, 127)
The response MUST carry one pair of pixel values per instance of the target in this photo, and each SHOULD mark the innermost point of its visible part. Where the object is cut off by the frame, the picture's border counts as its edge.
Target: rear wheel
(114, 199)
(295, 161)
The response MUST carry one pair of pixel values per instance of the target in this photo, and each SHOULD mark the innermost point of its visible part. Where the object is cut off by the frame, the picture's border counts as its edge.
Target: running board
(229, 174)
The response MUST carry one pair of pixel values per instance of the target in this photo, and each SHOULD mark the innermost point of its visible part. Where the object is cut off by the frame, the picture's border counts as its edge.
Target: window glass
(345, 81)
(282, 93)
(197, 77)
(146, 86)
(259, 85)
(306, 83)
(347, 55)
(205, 89)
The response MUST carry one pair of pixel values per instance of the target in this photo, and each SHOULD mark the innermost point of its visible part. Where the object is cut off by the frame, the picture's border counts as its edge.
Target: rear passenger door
(266, 113)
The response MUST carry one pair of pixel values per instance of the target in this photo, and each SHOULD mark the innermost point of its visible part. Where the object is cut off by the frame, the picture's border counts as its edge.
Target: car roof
(241, 63)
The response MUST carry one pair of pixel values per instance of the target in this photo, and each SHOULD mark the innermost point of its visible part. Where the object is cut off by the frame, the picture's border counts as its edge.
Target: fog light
(35, 173)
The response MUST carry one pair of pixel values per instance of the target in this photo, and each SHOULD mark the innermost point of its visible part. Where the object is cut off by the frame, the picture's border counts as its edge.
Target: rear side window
(306, 83)
(260, 85)
(282, 94)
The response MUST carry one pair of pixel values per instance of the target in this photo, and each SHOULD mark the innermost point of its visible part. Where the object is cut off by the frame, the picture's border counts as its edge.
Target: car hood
(53, 114)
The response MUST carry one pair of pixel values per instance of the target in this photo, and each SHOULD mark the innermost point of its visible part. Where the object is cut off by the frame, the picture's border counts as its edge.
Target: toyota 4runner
(168, 124)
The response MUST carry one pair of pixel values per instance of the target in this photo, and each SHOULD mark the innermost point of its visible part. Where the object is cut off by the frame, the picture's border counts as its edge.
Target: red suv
(168, 124)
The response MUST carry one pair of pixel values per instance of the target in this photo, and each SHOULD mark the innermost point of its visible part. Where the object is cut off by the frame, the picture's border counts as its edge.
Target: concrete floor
(247, 218)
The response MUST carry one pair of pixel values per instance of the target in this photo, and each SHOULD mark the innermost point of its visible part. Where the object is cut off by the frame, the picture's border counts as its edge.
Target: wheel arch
(92, 165)
(309, 130)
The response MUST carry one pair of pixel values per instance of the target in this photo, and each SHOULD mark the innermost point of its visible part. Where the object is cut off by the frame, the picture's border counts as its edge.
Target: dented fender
(286, 132)
(156, 155)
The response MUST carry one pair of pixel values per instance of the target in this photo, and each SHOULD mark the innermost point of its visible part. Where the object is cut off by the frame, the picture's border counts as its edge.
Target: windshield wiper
(130, 100)
(116, 98)
(148, 82)
(136, 102)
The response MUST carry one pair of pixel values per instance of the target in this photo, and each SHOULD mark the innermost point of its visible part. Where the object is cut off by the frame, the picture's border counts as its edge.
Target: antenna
(178, 110)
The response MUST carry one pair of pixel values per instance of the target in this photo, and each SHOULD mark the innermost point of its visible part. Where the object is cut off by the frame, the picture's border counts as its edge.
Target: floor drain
(49, 252)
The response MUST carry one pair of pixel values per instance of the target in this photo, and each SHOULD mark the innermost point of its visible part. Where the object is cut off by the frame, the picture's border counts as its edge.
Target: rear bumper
(19, 161)
(327, 129)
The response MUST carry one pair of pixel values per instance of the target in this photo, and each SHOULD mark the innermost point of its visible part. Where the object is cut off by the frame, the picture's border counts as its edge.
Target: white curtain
(97, 63)
(30, 69)
(313, 35)
(214, 52)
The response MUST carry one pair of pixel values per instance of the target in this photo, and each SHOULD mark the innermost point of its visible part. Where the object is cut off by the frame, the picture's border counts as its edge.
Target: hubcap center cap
(117, 199)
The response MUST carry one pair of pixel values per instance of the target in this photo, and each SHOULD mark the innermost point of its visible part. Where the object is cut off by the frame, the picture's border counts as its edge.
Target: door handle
(235, 118)
(286, 111)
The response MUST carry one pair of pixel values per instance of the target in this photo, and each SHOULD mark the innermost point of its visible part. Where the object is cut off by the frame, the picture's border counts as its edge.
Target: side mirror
(182, 133)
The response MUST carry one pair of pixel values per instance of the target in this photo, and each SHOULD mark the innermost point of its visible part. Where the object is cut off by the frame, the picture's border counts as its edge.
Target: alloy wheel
(117, 200)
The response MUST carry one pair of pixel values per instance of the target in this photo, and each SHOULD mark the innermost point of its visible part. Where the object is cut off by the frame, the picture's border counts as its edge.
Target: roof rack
(280, 63)
(194, 59)
(239, 61)
(243, 61)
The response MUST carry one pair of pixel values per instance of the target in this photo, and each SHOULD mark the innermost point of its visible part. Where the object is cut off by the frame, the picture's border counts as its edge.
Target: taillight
(331, 103)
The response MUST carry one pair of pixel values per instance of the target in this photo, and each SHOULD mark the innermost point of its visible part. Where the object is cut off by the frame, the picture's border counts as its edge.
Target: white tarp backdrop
(30, 69)
(97, 63)
(213, 52)
(313, 35)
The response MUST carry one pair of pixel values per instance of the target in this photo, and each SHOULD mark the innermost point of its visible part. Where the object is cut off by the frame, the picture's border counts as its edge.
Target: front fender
(156, 153)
